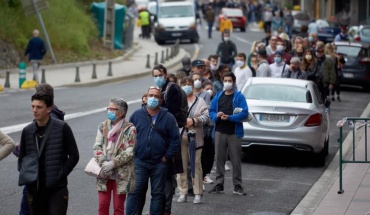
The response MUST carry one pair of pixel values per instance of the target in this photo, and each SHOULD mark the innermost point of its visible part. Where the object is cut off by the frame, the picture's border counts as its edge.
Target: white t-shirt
(277, 69)
(242, 75)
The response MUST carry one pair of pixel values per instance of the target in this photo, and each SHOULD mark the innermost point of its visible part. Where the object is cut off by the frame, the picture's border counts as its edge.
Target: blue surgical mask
(159, 81)
(152, 102)
(111, 115)
(277, 59)
(187, 89)
(310, 39)
(239, 63)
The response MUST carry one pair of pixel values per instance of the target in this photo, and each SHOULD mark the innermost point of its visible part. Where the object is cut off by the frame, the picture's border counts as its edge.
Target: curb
(316, 194)
(130, 76)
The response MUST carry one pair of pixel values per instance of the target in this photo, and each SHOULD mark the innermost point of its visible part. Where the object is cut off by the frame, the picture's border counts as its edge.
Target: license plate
(348, 75)
(234, 19)
(274, 118)
(176, 34)
(329, 39)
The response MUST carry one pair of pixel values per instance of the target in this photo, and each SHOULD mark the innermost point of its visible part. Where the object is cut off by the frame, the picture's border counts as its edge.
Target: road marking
(19, 127)
(243, 40)
(3, 95)
(196, 52)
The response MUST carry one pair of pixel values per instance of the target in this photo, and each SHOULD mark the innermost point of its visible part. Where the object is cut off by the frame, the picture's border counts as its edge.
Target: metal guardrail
(351, 122)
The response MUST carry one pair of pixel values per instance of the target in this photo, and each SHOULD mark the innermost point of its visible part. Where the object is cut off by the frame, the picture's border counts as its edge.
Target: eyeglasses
(112, 109)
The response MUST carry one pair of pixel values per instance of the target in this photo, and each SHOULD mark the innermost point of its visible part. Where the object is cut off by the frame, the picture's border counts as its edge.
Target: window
(366, 32)
(233, 12)
(272, 92)
(176, 11)
(352, 51)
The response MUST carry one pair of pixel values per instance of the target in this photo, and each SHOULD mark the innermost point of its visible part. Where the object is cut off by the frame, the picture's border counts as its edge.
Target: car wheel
(320, 159)
(326, 147)
(242, 29)
(195, 40)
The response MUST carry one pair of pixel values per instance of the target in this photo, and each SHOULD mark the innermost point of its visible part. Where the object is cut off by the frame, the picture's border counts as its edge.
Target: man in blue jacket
(158, 140)
(35, 51)
(228, 110)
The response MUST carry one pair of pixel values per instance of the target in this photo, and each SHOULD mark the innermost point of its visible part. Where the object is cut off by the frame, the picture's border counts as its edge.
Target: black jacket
(59, 156)
(171, 98)
(227, 51)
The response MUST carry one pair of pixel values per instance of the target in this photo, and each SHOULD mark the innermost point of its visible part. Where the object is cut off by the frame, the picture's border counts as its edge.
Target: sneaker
(219, 188)
(207, 179)
(239, 190)
(338, 98)
(227, 168)
(197, 199)
(182, 198)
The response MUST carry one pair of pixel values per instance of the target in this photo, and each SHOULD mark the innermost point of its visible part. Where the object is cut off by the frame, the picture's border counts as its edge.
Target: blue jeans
(288, 30)
(25, 209)
(144, 171)
(210, 26)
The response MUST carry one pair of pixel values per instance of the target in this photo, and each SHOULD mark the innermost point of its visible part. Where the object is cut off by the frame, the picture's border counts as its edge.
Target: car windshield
(352, 51)
(232, 12)
(152, 9)
(176, 11)
(366, 32)
(272, 92)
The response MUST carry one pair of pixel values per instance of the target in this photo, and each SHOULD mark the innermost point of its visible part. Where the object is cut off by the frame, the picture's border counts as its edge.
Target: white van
(176, 20)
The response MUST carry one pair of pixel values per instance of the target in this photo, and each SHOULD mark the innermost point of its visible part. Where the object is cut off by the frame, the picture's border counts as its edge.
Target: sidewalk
(131, 64)
(323, 198)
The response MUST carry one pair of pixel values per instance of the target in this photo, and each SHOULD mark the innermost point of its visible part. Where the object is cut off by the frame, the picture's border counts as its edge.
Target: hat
(186, 61)
(278, 53)
(262, 52)
(197, 63)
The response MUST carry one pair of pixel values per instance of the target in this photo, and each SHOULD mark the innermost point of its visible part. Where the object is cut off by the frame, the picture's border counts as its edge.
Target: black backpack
(182, 115)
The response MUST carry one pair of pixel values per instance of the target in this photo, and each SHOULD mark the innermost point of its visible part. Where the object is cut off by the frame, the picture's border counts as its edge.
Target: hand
(189, 123)
(107, 166)
(225, 117)
(164, 159)
(220, 114)
(103, 174)
(331, 86)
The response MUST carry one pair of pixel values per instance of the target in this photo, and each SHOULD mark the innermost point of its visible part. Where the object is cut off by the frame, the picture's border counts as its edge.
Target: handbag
(92, 168)
(29, 168)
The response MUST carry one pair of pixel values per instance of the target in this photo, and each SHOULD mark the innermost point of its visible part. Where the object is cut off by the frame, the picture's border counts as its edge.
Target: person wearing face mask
(242, 71)
(213, 63)
(295, 71)
(157, 142)
(272, 47)
(114, 151)
(308, 64)
(312, 38)
(207, 74)
(218, 84)
(186, 65)
(254, 65)
(228, 109)
(281, 48)
(227, 50)
(197, 88)
(279, 67)
(197, 117)
(324, 72)
(306, 43)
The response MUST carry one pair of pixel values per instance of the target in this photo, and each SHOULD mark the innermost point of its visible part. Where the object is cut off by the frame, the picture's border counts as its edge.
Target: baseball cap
(197, 63)
(278, 53)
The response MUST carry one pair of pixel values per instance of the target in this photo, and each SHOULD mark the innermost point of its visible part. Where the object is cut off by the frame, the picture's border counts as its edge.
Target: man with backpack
(227, 50)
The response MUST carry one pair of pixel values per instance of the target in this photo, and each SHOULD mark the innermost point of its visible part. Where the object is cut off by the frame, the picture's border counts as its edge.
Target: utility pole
(109, 18)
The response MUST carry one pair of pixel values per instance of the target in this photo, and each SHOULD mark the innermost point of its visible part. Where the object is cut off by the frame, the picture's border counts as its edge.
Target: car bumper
(356, 77)
(309, 139)
(173, 35)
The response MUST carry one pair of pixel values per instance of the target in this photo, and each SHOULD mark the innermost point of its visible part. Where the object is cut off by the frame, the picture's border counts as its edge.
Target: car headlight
(159, 27)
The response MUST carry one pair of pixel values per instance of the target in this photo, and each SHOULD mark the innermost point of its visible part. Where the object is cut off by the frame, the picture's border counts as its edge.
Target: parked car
(300, 18)
(356, 70)
(327, 30)
(360, 33)
(236, 16)
(286, 113)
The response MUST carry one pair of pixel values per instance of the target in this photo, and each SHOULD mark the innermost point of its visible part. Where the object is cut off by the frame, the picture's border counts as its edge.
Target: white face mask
(226, 38)
(228, 86)
(213, 67)
(197, 84)
(210, 92)
(280, 48)
(239, 63)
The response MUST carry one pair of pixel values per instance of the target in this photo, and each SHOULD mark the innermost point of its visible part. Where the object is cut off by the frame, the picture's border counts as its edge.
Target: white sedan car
(286, 113)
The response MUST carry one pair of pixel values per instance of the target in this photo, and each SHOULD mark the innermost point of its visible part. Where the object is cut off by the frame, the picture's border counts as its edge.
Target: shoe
(207, 179)
(197, 199)
(333, 99)
(239, 190)
(219, 188)
(182, 198)
(338, 98)
(227, 168)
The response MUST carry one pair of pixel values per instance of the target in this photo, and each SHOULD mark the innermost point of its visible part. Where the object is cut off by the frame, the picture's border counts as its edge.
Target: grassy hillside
(69, 24)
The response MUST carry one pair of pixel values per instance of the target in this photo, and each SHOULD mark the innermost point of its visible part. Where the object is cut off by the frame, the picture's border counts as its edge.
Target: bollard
(77, 79)
(94, 76)
(162, 57)
(172, 52)
(156, 59)
(167, 57)
(22, 73)
(110, 73)
(43, 80)
(7, 82)
(148, 61)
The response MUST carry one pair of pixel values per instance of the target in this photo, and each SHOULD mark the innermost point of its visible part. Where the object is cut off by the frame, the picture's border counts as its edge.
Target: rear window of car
(176, 11)
(272, 92)
(366, 32)
(352, 51)
(233, 12)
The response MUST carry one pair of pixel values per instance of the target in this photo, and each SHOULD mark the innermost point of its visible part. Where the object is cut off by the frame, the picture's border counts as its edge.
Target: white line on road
(196, 52)
(19, 127)
(243, 40)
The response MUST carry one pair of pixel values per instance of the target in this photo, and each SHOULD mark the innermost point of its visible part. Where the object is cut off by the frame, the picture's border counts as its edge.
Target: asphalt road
(275, 180)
